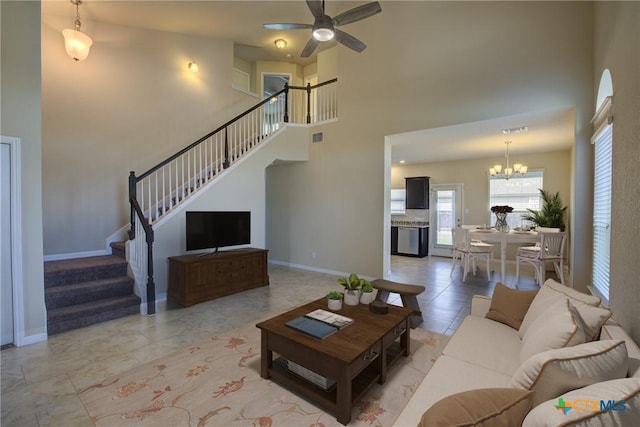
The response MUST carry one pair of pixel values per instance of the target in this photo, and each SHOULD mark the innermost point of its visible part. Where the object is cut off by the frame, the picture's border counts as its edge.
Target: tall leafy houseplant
(552, 213)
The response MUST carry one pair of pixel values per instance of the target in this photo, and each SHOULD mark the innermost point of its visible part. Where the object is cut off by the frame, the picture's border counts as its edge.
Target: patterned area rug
(218, 383)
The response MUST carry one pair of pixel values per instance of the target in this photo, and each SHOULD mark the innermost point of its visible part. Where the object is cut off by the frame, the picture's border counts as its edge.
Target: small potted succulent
(351, 289)
(366, 292)
(334, 300)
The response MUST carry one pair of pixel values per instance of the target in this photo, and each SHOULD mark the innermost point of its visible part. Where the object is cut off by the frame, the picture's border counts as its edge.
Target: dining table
(504, 238)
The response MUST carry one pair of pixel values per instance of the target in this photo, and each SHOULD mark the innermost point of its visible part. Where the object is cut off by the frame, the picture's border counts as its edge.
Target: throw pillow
(592, 317)
(554, 328)
(554, 372)
(582, 407)
(550, 292)
(509, 306)
(489, 406)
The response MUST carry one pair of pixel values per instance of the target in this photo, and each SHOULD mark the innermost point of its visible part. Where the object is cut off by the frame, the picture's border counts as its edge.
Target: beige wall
(241, 187)
(128, 106)
(473, 175)
(20, 94)
(617, 48)
(445, 63)
(452, 63)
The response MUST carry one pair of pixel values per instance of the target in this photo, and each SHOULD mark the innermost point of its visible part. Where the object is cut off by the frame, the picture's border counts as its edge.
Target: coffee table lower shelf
(327, 400)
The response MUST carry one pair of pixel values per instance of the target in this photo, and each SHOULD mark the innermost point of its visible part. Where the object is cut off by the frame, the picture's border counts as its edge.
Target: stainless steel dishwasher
(409, 240)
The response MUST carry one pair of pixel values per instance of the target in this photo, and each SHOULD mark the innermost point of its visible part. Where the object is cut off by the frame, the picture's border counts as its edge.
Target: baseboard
(315, 269)
(72, 255)
(31, 339)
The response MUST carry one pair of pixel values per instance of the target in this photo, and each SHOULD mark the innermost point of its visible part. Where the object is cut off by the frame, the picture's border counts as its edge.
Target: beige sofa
(484, 353)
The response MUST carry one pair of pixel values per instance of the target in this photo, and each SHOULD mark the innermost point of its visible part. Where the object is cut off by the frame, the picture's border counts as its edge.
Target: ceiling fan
(323, 29)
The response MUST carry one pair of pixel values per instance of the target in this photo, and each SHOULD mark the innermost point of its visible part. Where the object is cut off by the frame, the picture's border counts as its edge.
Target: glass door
(445, 213)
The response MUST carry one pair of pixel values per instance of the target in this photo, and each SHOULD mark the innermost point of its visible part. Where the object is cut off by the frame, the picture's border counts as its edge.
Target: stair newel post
(132, 196)
(225, 163)
(286, 103)
(151, 286)
(308, 103)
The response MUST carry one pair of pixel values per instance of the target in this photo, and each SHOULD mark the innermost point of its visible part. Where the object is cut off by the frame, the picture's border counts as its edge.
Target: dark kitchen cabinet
(394, 240)
(417, 192)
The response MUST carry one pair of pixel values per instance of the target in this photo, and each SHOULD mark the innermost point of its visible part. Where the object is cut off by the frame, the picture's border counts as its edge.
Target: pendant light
(76, 43)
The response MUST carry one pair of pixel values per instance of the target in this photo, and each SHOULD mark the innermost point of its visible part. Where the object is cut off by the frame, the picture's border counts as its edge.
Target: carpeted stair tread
(79, 316)
(118, 249)
(95, 308)
(80, 293)
(80, 270)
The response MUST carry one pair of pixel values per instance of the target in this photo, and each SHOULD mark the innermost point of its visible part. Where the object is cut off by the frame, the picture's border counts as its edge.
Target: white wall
(617, 42)
(21, 118)
(131, 104)
(242, 187)
(430, 64)
(474, 175)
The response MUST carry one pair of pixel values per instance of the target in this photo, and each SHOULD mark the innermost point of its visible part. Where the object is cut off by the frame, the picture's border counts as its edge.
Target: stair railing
(164, 187)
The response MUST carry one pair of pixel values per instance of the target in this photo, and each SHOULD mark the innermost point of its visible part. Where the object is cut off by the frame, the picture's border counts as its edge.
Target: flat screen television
(216, 229)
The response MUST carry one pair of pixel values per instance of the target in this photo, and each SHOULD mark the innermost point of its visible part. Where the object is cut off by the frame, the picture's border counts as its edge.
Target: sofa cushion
(509, 306)
(448, 376)
(486, 343)
(554, 328)
(554, 372)
(551, 291)
(582, 407)
(488, 407)
(611, 331)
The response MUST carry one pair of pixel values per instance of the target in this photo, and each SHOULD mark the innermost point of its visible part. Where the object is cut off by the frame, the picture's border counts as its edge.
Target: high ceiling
(241, 22)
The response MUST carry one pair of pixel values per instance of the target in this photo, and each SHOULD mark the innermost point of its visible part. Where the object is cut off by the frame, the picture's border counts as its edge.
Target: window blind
(602, 210)
(520, 192)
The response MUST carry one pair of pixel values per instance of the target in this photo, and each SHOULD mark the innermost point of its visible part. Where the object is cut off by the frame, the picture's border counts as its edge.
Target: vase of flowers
(501, 217)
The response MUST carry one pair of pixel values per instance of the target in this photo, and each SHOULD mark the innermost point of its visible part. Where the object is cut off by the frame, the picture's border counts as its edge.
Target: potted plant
(334, 300)
(366, 292)
(352, 289)
(552, 213)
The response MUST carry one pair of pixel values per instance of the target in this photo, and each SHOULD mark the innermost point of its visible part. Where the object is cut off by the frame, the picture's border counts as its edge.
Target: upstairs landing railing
(163, 188)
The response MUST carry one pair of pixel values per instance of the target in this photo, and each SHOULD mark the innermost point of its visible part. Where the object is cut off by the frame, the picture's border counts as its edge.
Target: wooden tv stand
(197, 278)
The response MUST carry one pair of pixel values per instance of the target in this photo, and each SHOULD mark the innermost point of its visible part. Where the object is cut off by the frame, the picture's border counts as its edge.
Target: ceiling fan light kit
(323, 28)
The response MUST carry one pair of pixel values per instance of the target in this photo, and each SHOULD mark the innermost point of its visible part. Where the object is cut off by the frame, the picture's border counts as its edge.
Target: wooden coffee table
(356, 357)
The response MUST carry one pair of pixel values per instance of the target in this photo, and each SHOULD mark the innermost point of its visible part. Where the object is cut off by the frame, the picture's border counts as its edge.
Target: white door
(445, 213)
(6, 292)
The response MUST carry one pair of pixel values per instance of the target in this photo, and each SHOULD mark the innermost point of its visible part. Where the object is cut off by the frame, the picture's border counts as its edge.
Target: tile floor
(40, 381)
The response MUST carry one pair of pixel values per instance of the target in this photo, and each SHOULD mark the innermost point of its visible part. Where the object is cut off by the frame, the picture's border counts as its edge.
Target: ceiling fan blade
(316, 7)
(357, 13)
(349, 41)
(309, 47)
(286, 26)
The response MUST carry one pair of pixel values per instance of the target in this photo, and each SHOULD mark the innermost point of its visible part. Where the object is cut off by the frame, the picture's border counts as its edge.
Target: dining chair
(466, 251)
(550, 248)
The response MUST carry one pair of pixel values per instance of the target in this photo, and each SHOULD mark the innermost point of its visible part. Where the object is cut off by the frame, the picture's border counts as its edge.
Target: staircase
(85, 291)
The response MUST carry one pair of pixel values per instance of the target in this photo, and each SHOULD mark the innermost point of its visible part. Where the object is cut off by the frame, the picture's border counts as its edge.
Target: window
(602, 210)
(397, 201)
(521, 192)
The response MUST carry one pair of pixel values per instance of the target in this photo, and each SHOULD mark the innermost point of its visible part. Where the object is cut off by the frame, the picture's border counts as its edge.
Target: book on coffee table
(312, 327)
(330, 318)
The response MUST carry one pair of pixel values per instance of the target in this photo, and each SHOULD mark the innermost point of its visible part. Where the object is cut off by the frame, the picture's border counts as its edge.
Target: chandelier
(518, 168)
